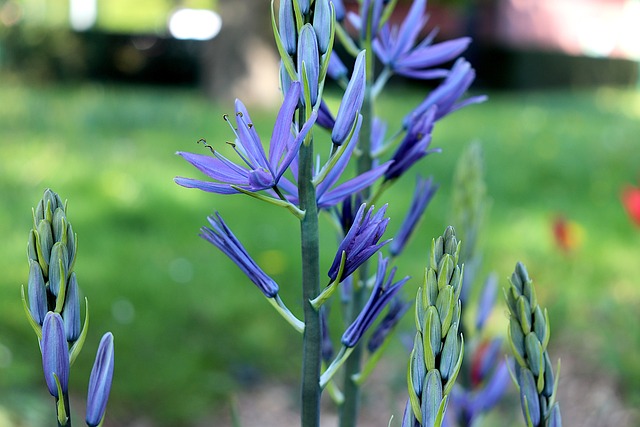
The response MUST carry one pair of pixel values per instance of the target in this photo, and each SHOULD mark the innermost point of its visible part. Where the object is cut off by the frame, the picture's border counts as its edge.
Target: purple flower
(396, 47)
(222, 237)
(422, 195)
(383, 292)
(446, 96)
(360, 242)
(100, 381)
(397, 309)
(413, 146)
(55, 353)
(262, 173)
(489, 396)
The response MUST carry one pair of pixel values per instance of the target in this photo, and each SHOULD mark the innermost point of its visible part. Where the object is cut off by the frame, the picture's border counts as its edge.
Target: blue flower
(55, 353)
(261, 173)
(422, 195)
(100, 381)
(383, 292)
(413, 146)
(360, 242)
(222, 237)
(396, 47)
(446, 97)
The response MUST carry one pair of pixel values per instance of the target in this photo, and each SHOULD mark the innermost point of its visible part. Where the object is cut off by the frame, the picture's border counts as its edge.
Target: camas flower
(360, 242)
(396, 47)
(383, 291)
(222, 237)
(446, 97)
(414, 145)
(261, 173)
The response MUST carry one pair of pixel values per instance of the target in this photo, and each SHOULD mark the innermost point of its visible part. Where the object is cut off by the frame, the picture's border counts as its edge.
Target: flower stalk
(529, 334)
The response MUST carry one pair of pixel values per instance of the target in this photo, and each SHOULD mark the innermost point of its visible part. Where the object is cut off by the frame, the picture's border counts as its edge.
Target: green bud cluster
(51, 252)
(438, 346)
(469, 197)
(529, 334)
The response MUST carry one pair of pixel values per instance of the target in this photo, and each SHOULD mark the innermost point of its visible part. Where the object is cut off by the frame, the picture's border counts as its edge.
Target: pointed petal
(211, 187)
(281, 135)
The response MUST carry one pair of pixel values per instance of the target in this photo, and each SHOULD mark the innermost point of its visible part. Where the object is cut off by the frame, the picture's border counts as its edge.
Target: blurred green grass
(190, 329)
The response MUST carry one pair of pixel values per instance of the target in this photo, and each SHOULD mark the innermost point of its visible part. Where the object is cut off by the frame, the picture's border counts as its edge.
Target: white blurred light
(83, 14)
(194, 24)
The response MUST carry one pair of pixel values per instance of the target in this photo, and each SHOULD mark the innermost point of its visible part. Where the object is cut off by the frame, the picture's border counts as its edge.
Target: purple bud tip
(100, 381)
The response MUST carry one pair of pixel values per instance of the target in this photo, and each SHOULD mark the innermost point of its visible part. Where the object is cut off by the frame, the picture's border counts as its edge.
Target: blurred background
(97, 96)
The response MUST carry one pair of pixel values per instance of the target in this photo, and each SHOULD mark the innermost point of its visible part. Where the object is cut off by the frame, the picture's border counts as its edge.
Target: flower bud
(529, 394)
(44, 243)
(309, 56)
(55, 353)
(351, 101)
(71, 311)
(304, 6)
(37, 293)
(287, 26)
(450, 353)
(322, 24)
(431, 397)
(100, 381)
(58, 264)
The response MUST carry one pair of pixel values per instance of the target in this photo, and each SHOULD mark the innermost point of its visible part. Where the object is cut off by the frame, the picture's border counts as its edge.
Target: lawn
(190, 329)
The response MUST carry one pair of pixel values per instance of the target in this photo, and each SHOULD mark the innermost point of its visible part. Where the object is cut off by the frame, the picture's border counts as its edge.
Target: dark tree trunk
(242, 62)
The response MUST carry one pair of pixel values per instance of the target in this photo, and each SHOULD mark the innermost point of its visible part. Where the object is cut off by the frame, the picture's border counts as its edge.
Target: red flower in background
(567, 234)
(631, 202)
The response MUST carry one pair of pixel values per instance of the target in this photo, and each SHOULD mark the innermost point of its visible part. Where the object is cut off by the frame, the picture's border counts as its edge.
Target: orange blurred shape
(631, 202)
(567, 234)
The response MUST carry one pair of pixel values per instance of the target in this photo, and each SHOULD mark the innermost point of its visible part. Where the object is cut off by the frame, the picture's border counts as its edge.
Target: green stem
(312, 337)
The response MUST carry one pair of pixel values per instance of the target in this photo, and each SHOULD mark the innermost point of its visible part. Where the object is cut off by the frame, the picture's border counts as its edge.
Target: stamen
(235, 148)
(233, 129)
(204, 142)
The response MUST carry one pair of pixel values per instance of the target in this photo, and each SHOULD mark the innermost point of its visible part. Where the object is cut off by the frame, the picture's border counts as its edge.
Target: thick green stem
(349, 409)
(310, 289)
